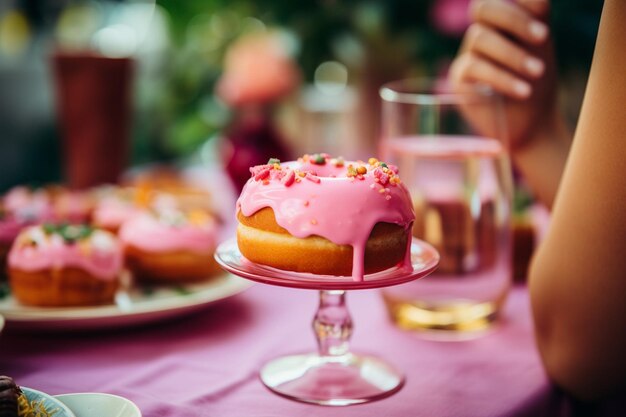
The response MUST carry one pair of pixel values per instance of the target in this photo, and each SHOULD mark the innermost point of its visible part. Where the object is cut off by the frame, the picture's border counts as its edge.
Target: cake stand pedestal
(333, 375)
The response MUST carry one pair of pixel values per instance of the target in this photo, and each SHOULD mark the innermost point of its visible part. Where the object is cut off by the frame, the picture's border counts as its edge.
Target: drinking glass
(448, 148)
(95, 109)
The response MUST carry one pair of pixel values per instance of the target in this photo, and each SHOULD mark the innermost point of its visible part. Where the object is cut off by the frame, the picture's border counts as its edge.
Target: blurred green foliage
(176, 107)
(359, 33)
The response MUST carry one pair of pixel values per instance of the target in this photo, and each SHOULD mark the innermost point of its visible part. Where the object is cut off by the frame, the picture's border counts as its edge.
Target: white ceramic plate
(91, 404)
(51, 404)
(138, 306)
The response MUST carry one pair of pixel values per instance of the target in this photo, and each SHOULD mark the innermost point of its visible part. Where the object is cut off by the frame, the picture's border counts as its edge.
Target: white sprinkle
(102, 241)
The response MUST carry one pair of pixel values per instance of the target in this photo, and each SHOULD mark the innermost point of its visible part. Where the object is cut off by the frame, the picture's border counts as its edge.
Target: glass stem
(332, 324)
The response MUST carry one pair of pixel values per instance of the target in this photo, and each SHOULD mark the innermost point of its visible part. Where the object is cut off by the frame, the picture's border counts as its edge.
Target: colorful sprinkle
(273, 161)
(338, 162)
(312, 178)
(361, 170)
(289, 178)
(372, 161)
(382, 177)
(262, 174)
(70, 233)
(318, 159)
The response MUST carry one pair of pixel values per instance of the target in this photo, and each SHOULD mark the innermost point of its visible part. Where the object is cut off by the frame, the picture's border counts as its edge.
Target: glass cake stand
(333, 375)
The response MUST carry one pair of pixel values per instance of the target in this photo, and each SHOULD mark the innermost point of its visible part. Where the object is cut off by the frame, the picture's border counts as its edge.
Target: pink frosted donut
(170, 245)
(65, 265)
(325, 216)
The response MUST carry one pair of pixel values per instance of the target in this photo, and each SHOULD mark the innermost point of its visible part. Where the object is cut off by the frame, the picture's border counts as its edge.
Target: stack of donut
(65, 248)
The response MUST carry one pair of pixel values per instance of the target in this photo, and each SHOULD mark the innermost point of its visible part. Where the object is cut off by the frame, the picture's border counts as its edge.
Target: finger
(538, 8)
(510, 18)
(485, 41)
(471, 68)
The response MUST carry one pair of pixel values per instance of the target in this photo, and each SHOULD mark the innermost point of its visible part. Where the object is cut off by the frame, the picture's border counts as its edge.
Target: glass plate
(424, 260)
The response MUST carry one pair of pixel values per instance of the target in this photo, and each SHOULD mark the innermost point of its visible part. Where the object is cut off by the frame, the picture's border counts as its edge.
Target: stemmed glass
(333, 375)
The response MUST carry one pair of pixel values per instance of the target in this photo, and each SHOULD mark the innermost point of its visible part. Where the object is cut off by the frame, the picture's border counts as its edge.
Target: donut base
(261, 240)
(66, 287)
(175, 267)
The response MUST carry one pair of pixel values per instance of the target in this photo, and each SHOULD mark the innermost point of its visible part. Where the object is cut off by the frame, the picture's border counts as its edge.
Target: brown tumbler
(94, 109)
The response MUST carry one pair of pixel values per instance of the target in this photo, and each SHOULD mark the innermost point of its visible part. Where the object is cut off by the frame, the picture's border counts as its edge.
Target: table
(206, 364)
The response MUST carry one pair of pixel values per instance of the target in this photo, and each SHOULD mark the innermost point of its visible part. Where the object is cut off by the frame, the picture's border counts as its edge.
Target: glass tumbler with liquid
(447, 149)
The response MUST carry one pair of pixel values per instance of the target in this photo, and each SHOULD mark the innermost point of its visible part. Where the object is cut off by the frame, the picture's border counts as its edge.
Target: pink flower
(451, 17)
(257, 69)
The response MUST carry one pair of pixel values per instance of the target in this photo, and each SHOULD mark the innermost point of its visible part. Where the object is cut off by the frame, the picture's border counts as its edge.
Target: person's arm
(508, 47)
(578, 276)
(542, 157)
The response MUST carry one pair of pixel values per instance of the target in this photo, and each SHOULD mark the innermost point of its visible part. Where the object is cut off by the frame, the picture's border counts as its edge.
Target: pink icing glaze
(328, 203)
(148, 233)
(112, 213)
(100, 254)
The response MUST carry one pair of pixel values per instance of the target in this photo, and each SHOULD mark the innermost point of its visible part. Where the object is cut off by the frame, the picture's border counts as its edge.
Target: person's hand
(508, 48)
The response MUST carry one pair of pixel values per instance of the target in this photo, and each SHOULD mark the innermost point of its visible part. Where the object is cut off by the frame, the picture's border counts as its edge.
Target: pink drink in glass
(461, 189)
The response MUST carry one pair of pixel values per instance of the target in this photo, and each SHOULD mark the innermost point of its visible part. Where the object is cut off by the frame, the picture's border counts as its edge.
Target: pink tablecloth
(206, 364)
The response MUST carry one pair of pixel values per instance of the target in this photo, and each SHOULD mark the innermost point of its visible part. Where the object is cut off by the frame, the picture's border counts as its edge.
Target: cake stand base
(331, 380)
(333, 376)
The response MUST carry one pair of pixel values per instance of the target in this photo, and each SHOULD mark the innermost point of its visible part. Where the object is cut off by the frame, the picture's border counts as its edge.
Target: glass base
(331, 380)
(455, 320)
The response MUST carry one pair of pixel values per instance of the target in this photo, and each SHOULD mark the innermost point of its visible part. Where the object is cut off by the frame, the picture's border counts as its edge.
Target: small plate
(92, 404)
(424, 260)
(51, 404)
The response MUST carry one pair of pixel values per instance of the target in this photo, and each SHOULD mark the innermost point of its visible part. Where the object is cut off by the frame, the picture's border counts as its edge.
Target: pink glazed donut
(170, 246)
(65, 265)
(325, 216)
